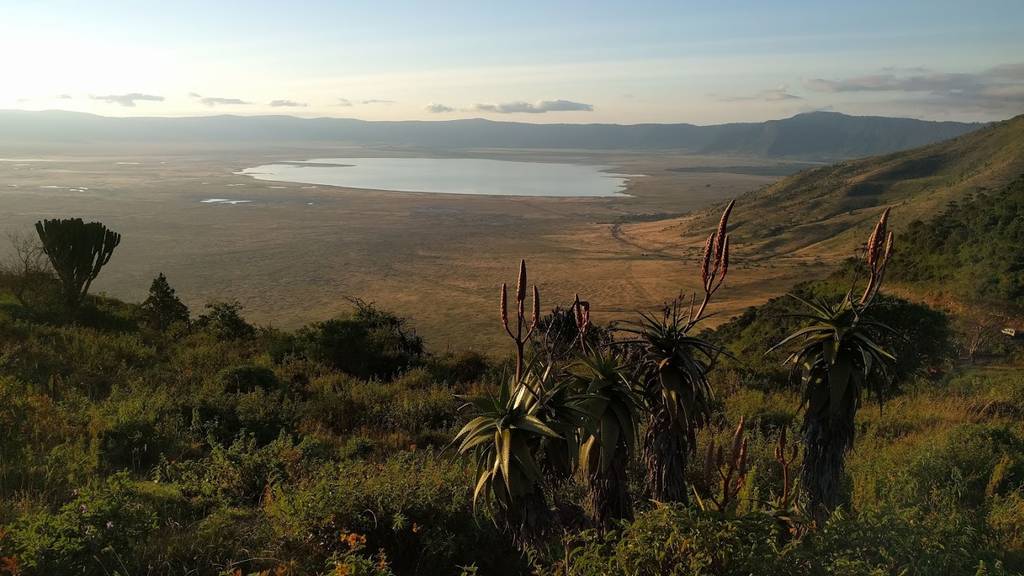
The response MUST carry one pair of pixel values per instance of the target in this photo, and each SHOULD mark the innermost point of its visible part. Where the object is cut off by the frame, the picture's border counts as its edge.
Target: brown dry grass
(437, 258)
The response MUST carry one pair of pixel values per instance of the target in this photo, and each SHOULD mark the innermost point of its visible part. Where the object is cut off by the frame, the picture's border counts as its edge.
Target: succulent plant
(835, 358)
(77, 251)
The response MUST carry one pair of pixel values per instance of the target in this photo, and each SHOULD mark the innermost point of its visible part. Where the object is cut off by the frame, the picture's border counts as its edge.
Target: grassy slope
(825, 212)
(970, 251)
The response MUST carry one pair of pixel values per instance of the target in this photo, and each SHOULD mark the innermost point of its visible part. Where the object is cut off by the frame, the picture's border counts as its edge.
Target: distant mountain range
(814, 135)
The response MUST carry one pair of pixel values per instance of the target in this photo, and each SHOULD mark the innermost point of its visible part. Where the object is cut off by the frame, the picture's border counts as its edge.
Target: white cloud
(287, 104)
(128, 100)
(439, 108)
(538, 108)
(216, 101)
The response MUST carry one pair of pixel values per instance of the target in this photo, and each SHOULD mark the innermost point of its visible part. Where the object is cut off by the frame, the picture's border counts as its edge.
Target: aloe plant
(835, 359)
(673, 366)
(527, 429)
(505, 435)
(612, 409)
(524, 327)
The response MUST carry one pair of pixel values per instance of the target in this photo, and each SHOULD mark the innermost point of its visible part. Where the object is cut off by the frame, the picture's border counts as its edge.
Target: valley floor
(294, 253)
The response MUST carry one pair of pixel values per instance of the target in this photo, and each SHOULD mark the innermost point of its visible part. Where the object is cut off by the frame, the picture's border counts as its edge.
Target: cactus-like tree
(77, 251)
(835, 359)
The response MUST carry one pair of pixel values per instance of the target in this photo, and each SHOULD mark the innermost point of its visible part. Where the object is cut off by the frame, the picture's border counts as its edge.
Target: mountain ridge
(813, 135)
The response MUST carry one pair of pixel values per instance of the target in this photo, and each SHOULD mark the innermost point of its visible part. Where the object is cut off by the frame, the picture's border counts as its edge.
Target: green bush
(370, 343)
(248, 378)
(927, 345)
(236, 475)
(224, 320)
(415, 507)
(672, 540)
(93, 533)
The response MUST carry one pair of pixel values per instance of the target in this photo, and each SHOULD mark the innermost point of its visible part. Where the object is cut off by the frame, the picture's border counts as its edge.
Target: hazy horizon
(221, 113)
(571, 62)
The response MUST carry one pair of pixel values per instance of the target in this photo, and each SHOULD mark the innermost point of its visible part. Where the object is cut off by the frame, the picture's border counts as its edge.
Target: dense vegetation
(972, 249)
(138, 439)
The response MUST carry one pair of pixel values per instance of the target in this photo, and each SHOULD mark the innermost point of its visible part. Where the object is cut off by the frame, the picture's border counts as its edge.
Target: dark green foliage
(370, 343)
(972, 249)
(162, 308)
(93, 533)
(248, 378)
(413, 506)
(124, 451)
(558, 335)
(458, 367)
(224, 320)
(673, 540)
(77, 251)
(924, 344)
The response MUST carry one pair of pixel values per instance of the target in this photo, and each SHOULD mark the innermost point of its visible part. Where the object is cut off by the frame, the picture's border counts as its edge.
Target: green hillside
(826, 210)
(973, 249)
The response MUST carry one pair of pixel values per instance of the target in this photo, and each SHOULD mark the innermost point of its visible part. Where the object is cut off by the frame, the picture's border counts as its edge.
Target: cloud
(211, 101)
(997, 88)
(343, 102)
(780, 94)
(128, 100)
(214, 101)
(64, 97)
(287, 104)
(538, 108)
(377, 101)
(439, 108)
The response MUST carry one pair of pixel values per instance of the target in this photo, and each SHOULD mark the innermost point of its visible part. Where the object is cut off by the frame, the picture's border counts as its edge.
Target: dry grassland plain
(295, 252)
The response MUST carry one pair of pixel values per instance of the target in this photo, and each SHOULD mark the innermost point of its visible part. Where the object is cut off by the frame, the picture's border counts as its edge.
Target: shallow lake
(449, 176)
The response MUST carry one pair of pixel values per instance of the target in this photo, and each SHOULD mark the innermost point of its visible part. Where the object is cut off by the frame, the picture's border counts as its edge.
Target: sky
(636, 61)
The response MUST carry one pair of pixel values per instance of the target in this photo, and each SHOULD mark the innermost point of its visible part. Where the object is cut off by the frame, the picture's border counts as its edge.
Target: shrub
(414, 507)
(93, 533)
(927, 346)
(247, 378)
(224, 320)
(235, 475)
(673, 540)
(457, 367)
(370, 343)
